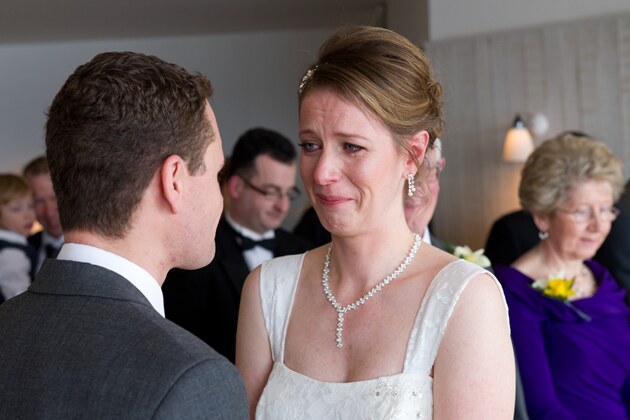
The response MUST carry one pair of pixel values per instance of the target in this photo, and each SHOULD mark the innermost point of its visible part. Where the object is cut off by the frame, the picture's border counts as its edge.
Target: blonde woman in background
(571, 334)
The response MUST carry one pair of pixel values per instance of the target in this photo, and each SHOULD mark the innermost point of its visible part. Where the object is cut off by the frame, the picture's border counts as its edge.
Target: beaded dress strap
(434, 313)
(278, 284)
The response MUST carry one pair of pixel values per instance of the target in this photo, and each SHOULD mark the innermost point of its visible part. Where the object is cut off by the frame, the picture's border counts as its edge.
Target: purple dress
(571, 368)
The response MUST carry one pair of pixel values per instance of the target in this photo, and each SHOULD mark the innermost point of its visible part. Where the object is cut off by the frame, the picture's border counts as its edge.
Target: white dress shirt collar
(248, 233)
(257, 255)
(135, 274)
(426, 236)
(10, 236)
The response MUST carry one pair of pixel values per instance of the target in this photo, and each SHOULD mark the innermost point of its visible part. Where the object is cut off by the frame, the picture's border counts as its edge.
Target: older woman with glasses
(569, 322)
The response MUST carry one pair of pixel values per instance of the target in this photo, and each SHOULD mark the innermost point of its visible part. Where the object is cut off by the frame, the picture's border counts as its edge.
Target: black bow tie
(247, 243)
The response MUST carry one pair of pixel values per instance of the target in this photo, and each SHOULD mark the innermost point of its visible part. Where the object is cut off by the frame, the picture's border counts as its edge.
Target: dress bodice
(409, 394)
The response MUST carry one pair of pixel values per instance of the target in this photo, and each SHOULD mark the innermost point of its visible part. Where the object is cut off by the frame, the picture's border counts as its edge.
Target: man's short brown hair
(109, 129)
(37, 166)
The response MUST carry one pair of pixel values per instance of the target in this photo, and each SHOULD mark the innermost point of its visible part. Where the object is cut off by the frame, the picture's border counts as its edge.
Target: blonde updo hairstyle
(561, 164)
(382, 72)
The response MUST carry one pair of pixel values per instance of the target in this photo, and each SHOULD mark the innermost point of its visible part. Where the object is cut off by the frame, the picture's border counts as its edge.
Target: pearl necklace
(341, 310)
(587, 287)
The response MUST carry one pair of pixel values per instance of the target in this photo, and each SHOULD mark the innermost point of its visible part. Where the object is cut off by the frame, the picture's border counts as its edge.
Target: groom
(134, 152)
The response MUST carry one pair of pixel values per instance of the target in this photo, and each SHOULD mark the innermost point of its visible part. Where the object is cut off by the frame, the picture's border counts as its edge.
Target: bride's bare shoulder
(432, 259)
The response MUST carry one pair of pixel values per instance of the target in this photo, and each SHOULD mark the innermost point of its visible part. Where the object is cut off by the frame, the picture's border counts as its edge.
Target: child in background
(16, 220)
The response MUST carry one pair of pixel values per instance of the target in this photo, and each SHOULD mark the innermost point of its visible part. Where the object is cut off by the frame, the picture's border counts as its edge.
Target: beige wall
(576, 73)
(455, 18)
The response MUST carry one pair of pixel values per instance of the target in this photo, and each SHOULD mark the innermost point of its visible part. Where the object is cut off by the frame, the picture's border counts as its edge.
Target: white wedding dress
(407, 395)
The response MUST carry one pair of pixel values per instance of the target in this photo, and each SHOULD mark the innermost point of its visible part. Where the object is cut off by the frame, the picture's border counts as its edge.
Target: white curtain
(577, 74)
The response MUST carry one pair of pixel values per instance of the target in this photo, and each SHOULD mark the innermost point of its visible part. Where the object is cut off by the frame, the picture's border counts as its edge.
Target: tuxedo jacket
(310, 228)
(206, 301)
(614, 253)
(510, 237)
(84, 342)
(438, 243)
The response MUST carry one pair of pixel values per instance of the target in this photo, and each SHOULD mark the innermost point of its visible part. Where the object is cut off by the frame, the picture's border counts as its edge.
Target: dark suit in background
(510, 237)
(92, 331)
(206, 301)
(35, 240)
(614, 253)
(310, 228)
(42, 250)
(438, 243)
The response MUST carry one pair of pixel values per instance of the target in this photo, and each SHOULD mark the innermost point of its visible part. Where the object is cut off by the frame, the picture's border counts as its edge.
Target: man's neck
(132, 250)
(246, 231)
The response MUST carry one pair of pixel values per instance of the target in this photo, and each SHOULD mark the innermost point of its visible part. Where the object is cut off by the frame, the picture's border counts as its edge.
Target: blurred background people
(615, 251)
(420, 207)
(259, 185)
(48, 241)
(358, 329)
(17, 257)
(310, 228)
(571, 333)
(512, 234)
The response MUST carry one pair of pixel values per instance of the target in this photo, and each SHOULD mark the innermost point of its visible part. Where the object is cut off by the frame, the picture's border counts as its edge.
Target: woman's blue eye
(307, 146)
(352, 147)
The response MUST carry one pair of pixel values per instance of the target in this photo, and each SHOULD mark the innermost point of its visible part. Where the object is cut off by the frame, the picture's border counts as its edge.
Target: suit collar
(70, 278)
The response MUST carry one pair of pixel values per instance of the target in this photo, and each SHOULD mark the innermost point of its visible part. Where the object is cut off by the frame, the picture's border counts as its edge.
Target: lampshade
(518, 142)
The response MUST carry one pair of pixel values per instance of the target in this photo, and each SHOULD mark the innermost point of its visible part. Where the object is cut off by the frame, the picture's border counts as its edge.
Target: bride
(376, 324)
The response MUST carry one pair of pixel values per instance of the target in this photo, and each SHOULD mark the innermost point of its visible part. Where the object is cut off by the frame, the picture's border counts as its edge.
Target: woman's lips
(331, 200)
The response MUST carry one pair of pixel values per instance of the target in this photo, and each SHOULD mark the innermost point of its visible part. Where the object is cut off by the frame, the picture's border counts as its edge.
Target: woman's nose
(326, 169)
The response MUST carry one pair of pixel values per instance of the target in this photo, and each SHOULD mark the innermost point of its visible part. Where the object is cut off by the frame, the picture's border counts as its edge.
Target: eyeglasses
(586, 214)
(273, 193)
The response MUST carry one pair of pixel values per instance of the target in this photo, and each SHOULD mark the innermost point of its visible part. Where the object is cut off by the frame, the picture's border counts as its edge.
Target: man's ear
(235, 186)
(417, 144)
(173, 173)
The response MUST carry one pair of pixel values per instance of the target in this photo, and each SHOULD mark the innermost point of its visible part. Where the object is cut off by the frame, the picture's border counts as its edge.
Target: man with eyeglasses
(258, 187)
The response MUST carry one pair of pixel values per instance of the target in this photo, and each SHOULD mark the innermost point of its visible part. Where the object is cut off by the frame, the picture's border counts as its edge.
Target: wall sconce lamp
(518, 142)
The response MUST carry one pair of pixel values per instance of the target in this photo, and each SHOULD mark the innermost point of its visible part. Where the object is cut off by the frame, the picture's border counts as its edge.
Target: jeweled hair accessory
(305, 79)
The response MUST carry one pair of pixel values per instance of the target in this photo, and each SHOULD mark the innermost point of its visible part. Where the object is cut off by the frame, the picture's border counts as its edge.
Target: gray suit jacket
(84, 342)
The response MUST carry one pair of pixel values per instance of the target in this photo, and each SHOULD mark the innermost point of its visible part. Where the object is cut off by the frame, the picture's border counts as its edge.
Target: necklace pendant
(341, 310)
(339, 338)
